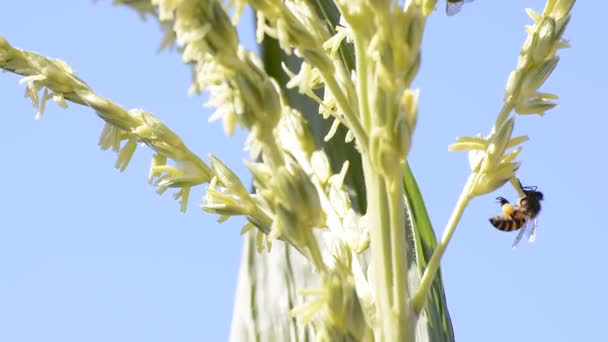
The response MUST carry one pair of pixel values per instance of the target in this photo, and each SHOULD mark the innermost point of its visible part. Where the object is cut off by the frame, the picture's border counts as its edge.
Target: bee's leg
(502, 200)
(507, 208)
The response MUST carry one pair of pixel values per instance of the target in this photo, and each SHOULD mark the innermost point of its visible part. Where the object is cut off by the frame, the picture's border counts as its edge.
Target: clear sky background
(91, 254)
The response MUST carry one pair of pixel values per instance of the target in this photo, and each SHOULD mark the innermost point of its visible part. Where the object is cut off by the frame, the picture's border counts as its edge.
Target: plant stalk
(385, 214)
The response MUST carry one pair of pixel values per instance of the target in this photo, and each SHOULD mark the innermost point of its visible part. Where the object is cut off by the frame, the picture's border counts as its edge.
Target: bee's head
(530, 191)
(533, 193)
(538, 195)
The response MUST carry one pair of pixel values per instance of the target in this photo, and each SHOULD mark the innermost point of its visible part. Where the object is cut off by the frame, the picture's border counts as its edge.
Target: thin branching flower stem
(465, 197)
(349, 114)
(504, 113)
(362, 84)
(427, 278)
(491, 165)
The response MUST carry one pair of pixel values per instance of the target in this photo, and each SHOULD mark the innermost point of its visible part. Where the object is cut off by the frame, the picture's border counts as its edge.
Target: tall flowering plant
(357, 257)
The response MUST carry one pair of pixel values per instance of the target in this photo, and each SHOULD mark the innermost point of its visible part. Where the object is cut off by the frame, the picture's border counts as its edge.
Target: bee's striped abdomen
(507, 224)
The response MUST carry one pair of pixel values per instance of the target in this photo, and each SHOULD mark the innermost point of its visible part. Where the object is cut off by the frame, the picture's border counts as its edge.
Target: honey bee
(523, 214)
(452, 7)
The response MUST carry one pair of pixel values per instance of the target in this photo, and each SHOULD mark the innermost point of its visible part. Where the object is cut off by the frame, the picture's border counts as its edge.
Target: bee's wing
(452, 8)
(532, 234)
(520, 235)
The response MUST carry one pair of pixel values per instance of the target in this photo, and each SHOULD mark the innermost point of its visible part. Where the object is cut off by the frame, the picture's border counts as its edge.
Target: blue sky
(91, 254)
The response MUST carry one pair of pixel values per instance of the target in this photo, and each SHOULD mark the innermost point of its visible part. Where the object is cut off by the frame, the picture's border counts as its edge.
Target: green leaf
(436, 308)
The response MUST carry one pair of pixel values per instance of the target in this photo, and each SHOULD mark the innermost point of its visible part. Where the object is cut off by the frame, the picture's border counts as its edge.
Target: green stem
(419, 298)
(388, 253)
(364, 114)
(399, 246)
(506, 109)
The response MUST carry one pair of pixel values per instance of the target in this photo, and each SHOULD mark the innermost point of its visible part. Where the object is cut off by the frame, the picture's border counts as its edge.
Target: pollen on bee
(507, 209)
